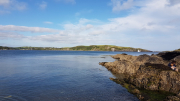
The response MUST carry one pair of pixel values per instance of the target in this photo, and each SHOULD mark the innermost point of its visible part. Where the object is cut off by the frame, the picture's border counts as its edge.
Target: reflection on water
(58, 75)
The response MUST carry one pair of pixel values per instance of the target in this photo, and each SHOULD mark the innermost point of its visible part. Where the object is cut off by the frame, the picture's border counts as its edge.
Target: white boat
(139, 50)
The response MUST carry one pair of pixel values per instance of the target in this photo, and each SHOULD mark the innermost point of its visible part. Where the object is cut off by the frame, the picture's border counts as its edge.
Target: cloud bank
(119, 5)
(8, 5)
(26, 29)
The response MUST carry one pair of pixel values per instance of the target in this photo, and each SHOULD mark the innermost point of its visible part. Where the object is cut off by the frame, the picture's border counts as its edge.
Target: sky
(147, 24)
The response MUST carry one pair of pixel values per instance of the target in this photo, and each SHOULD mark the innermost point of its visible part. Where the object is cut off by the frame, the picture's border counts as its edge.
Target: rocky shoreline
(147, 77)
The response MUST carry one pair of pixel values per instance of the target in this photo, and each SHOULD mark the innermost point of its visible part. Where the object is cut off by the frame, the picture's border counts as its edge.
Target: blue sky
(148, 24)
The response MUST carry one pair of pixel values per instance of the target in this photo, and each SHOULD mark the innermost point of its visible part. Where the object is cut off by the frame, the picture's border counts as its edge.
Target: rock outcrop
(130, 64)
(168, 55)
(147, 72)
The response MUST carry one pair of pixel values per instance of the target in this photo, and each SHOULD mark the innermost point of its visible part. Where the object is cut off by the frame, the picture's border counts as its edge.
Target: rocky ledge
(148, 77)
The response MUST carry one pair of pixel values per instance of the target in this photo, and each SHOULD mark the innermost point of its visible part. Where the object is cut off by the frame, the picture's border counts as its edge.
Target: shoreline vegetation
(80, 48)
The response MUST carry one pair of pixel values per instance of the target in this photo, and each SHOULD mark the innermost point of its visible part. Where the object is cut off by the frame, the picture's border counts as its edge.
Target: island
(80, 48)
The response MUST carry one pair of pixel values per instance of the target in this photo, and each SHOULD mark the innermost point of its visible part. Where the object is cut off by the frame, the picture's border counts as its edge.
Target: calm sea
(59, 76)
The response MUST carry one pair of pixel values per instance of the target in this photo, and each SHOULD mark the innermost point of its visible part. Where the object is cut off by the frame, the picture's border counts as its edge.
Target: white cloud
(119, 5)
(153, 24)
(4, 35)
(89, 26)
(174, 2)
(43, 5)
(6, 6)
(26, 29)
(48, 22)
(4, 2)
(155, 15)
(70, 38)
(12, 5)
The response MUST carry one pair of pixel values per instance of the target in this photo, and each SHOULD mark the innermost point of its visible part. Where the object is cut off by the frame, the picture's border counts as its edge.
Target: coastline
(83, 50)
(147, 76)
(80, 48)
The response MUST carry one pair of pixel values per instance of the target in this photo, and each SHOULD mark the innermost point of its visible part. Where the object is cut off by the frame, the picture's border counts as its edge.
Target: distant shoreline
(78, 50)
(81, 48)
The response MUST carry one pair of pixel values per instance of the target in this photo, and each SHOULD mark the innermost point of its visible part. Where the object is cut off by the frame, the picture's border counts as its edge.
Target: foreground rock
(147, 72)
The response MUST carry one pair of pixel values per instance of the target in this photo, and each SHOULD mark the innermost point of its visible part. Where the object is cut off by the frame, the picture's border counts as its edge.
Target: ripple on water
(11, 98)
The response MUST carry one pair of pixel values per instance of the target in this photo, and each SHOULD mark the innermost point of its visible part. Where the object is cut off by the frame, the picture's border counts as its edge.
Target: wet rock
(156, 79)
(124, 54)
(102, 63)
(140, 97)
(172, 98)
(124, 57)
(121, 66)
(178, 95)
(147, 72)
(152, 54)
(135, 91)
(177, 59)
(168, 55)
(149, 59)
(157, 66)
(130, 64)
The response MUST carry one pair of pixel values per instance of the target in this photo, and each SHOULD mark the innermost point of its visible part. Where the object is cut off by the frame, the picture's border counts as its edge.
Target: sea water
(31, 75)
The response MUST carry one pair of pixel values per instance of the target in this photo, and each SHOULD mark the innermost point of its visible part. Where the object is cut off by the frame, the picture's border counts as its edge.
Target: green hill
(28, 48)
(102, 48)
(79, 48)
(178, 50)
(6, 48)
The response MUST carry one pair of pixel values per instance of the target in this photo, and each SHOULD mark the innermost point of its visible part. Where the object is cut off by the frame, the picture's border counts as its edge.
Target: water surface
(59, 76)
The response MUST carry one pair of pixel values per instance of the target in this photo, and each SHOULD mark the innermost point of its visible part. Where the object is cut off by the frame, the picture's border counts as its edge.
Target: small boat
(139, 50)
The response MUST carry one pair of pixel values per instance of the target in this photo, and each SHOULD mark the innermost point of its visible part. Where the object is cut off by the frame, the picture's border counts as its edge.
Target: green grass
(103, 48)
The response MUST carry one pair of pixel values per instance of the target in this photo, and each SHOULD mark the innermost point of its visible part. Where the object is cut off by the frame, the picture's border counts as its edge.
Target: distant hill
(6, 48)
(103, 48)
(28, 48)
(79, 48)
(178, 50)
